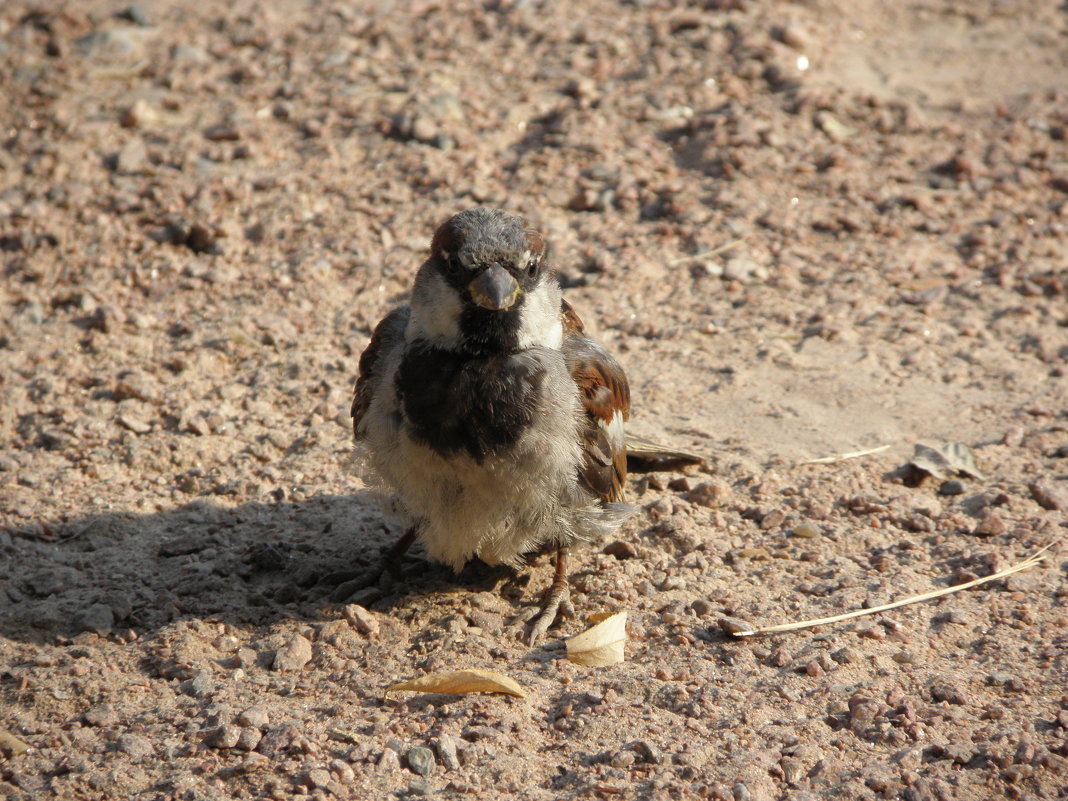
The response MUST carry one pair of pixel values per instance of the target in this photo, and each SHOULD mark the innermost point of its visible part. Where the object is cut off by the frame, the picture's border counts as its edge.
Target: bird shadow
(249, 565)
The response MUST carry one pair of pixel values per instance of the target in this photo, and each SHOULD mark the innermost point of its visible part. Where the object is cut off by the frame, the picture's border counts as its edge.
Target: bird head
(486, 287)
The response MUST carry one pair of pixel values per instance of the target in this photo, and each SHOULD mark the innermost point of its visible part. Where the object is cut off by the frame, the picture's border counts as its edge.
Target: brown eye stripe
(535, 242)
(446, 239)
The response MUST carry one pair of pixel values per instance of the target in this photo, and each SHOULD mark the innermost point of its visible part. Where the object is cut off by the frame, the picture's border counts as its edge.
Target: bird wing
(386, 334)
(605, 396)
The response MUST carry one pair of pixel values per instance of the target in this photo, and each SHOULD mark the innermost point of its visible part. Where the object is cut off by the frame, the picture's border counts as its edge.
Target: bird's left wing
(605, 396)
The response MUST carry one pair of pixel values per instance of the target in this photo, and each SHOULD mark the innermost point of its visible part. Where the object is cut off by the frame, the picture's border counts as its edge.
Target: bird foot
(364, 589)
(557, 602)
(369, 587)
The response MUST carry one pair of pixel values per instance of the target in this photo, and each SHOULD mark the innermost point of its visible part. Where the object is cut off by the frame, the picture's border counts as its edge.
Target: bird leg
(557, 600)
(381, 578)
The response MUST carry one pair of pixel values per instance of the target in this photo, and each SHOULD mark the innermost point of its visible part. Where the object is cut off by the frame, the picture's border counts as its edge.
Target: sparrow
(496, 422)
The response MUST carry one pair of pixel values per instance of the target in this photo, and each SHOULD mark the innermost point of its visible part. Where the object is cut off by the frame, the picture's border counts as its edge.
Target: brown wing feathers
(606, 400)
(385, 333)
(602, 384)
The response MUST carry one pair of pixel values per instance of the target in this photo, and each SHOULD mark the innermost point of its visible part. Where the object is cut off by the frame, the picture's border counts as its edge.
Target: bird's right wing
(386, 334)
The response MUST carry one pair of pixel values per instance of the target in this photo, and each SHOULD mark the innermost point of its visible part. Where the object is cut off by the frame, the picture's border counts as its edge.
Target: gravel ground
(804, 228)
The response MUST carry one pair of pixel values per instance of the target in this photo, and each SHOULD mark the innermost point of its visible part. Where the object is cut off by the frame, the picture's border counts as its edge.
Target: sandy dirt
(805, 229)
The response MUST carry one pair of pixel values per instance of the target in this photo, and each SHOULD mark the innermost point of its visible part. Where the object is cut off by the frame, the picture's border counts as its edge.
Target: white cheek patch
(435, 312)
(540, 324)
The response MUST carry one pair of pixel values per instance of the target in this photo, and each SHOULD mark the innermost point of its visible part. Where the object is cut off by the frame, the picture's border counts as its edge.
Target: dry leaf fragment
(946, 462)
(601, 644)
(597, 617)
(460, 682)
(12, 744)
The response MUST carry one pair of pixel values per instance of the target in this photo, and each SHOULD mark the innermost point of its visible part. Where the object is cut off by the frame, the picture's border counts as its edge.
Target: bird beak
(494, 289)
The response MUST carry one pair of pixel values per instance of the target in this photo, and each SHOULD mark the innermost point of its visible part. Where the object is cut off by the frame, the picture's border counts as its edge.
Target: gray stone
(421, 760)
(319, 778)
(249, 739)
(115, 44)
(806, 530)
(294, 655)
(447, 752)
(200, 686)
(361, 619)
(132, 157)
(952, 487)
(102, 716)
(1049, 495)
(388, 762)
(137, 15)
(135, 746)
(226, 736)
(98, 618)
(255, 716)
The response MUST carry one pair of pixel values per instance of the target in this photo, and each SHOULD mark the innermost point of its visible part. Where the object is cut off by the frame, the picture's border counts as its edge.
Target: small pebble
(806, 530)
(200, 686)
(772, 519)
(97, 618)
(388, 762)
(249, 739)
(421, 760)
(447, 752)
(102, 716)
(950, 693)
(362, 620)
(701, 607)
(255, 716)
(1049, 496)
(620, 550)
(711, 494)
(294, 655)
(135, 746)
(226, 736)
(951, 487)
(735, 625)
(990, 526)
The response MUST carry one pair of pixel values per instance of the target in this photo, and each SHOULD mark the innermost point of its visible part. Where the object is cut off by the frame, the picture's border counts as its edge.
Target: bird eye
(532, 267)
(452, 264)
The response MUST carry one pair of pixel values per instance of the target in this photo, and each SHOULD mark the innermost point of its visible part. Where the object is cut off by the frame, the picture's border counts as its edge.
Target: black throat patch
(456, 401)
(485, 332)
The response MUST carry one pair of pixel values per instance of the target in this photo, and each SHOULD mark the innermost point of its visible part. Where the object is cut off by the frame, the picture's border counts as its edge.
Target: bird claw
(366, 589)
(557, 602)
(369, 587)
